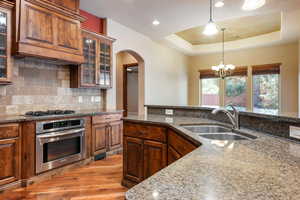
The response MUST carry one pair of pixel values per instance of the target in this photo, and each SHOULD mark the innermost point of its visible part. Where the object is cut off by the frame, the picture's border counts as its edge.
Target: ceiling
(236, 29)
(175, 15)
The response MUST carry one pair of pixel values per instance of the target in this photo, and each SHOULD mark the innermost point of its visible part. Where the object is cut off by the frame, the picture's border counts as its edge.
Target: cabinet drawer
(9, 131)
(106, 118)
(145, 132)
(180, 144)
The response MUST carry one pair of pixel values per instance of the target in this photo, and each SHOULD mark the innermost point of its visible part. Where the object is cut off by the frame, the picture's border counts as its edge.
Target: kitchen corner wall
(40, 85)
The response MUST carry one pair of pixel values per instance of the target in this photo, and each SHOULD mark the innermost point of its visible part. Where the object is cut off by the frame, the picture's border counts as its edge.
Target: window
(236, 91)
(266, 93)
(210, 92)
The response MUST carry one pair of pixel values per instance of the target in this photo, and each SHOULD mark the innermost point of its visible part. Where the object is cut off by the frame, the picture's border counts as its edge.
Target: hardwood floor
(101, 180)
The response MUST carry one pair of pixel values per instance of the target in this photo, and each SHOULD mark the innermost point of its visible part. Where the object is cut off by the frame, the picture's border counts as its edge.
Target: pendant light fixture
(223, 70)
(253, 4)
(211, 27)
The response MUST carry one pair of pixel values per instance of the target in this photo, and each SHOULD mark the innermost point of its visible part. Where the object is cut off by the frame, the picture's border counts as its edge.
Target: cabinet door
(100, 138)
(88, 68)
(105, 62)
(5, 44)
(172, 155)
(155, 157)
(37, 25)
(9, 161)
(68, 35)
(115, 135)
(133, 159)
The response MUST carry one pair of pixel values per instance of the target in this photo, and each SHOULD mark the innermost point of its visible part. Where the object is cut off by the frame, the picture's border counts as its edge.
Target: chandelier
(223, 70)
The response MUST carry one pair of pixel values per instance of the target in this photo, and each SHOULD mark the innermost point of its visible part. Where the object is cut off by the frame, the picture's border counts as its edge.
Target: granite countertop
(266, 168)
(78, 113)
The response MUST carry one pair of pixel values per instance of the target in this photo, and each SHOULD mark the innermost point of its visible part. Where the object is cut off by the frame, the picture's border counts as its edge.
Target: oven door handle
(63, 133)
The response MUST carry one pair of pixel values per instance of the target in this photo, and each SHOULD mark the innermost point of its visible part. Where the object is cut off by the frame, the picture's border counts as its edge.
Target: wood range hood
(48, 29)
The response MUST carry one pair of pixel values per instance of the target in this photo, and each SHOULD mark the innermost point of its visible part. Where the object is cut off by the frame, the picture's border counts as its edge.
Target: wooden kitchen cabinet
(96, 70)
(107, 133)
(10, 154)
(133, 160)
(149, 148)
(115, 135)
(145, 152)
(155, 157)
(100, 138)
(43, 29)
(5, 42)
(173, 155)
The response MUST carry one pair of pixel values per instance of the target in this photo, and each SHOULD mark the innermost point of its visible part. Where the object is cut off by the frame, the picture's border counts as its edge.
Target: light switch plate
(295, 132)
(80, 99)
(169, 112)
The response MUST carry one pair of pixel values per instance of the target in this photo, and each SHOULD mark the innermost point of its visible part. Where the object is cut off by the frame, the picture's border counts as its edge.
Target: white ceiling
(174, 15)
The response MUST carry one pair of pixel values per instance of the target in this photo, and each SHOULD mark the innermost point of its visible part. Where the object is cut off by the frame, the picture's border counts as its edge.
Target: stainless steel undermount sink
(216, 132)
(206, 129)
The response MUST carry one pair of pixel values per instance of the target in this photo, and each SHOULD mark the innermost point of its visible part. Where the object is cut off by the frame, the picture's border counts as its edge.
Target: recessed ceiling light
(156, 22)
(253, 4)
(219, 4)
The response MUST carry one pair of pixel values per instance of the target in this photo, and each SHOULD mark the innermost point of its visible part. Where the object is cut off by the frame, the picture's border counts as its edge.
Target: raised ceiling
(175, 15)
(236, 29)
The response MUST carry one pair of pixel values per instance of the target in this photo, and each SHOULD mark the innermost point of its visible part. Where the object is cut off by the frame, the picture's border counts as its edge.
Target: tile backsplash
(40, 85)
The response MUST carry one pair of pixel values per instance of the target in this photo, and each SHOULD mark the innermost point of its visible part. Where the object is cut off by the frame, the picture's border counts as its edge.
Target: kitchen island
(267, 168)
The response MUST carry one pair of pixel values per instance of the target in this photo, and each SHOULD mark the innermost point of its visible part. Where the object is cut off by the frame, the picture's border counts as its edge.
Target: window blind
(266, 69)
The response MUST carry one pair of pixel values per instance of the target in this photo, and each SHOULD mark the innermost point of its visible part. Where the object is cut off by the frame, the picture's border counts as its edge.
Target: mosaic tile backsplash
(40, 85)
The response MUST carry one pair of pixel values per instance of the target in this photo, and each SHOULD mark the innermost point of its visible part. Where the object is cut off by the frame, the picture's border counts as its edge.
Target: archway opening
(130, 82)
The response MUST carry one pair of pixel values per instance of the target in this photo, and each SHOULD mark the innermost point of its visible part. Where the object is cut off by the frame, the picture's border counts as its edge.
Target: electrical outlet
(169, 112)
(92, 99)
(169, 119)
(80, 99)
(295, 132)
(97, 99)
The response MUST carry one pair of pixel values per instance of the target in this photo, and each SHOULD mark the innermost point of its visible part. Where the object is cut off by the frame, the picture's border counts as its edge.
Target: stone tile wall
(40, 85)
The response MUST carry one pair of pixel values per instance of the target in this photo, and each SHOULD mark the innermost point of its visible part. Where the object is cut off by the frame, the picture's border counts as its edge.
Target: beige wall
(286, 54)
(165, 69)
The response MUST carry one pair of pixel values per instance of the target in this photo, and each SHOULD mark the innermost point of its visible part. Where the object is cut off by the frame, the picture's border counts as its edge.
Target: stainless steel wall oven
(59, 143)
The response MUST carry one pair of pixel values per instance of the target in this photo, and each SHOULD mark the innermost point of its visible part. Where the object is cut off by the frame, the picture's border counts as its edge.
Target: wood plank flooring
(101, 180)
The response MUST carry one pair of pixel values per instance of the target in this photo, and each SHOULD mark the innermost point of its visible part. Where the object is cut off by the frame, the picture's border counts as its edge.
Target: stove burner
(49, 112)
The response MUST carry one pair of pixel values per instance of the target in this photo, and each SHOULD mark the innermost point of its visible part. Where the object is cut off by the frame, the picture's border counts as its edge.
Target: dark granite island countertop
(267, 168)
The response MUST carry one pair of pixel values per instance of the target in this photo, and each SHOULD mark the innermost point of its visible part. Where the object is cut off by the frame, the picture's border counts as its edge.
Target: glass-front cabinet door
(88, 68)
(5, 45)
(105, 64)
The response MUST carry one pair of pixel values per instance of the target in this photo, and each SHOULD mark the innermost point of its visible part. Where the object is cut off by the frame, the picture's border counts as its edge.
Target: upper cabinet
(48, 29)
(5, 41)
(96, 70)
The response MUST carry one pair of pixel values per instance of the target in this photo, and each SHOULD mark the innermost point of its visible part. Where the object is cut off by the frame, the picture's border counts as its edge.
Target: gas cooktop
(49, 112)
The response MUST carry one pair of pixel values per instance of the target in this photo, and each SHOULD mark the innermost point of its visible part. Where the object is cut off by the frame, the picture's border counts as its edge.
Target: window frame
(249, 84)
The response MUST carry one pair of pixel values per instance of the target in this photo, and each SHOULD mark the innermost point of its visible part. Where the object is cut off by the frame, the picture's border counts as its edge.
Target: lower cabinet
(100, 138)
(173, 155)
(10, 154)
(107, 133)
(115, 135)
(133, 159)
(155, 157)
(147, 150)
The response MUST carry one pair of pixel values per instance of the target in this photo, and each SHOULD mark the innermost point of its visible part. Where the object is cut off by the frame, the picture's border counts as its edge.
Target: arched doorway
(127, 59)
